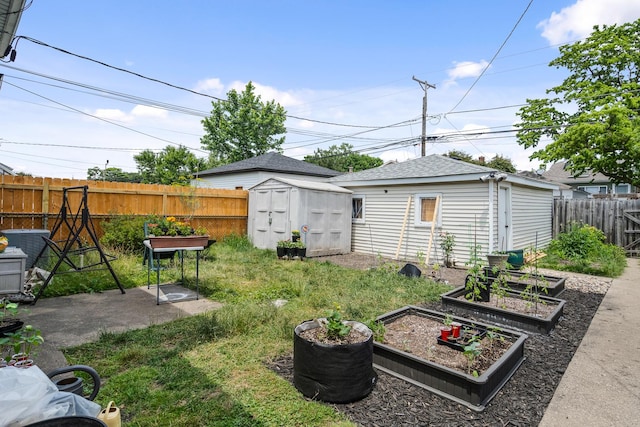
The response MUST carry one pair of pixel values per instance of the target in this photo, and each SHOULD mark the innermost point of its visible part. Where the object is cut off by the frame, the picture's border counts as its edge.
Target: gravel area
(523, 399)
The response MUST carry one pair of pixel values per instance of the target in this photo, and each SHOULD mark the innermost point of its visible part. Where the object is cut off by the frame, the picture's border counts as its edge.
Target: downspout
(491, 230)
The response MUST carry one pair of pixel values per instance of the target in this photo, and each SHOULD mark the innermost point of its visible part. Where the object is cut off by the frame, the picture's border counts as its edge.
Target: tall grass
(211, 369)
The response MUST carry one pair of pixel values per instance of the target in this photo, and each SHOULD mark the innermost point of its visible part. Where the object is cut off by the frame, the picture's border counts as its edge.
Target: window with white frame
(623, 188)
(594, 189)
(357, 209)
(426, 210)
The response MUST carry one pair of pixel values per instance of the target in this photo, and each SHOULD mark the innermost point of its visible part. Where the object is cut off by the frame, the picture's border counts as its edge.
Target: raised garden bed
(403, 361)
(520, 280)
(531, 322)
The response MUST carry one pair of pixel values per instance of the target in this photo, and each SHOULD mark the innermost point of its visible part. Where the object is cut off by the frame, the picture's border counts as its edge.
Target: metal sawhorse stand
(76, 224)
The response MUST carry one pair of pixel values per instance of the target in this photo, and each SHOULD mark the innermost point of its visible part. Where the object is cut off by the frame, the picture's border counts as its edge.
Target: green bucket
(516, 258)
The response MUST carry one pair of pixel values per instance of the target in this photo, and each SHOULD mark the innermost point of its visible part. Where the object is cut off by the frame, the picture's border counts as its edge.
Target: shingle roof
(310, 185)
(430, 166)
(5, 170)
(272, 162)
(558, 173)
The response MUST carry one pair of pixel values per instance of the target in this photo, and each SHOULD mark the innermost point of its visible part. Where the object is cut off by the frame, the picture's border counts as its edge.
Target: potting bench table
(155, 253)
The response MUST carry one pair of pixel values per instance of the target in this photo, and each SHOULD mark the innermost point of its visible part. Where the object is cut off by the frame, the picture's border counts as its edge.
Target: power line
(104, 120)
(494, 57)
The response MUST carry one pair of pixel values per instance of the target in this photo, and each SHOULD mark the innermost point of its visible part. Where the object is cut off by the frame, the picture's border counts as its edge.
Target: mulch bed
(521, 402)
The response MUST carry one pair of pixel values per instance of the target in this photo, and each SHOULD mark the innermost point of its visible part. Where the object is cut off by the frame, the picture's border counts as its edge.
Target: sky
(97, 82)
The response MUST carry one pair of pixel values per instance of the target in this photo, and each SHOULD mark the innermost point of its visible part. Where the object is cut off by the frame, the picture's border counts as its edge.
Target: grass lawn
(210, 369)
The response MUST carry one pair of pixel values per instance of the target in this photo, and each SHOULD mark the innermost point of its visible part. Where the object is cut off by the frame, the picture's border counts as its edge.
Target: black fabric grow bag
(333, 373)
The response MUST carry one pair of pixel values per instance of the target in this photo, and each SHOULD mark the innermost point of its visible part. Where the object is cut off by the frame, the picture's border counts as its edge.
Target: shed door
(271, 219)
(504, 218)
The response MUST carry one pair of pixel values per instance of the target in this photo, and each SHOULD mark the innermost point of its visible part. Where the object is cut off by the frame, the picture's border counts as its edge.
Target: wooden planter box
(474, 392)
(161, 242)
(497, 315)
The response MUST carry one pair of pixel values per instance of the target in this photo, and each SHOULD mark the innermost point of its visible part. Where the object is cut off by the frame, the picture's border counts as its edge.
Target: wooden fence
(34, 203)
(619, 219)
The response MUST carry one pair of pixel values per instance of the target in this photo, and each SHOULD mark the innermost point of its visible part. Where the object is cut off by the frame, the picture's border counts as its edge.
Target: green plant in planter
(447, 243)
(378, 330)
(8, 309)
(476, 280)
(22, 342)
(500, 284)
(531, 293)
(281, 244)
(295, 233)
(336, 329)
(448, 319)
(494, 335)
(471, 351)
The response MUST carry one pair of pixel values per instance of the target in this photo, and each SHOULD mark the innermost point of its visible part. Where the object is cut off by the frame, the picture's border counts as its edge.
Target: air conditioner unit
(30, 241)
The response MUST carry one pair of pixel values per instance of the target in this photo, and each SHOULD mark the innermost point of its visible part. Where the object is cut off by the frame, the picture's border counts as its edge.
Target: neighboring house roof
(309, 185)
(559, 173)
(429, 169)
(271, 162)
(6, 170)
(10, 13)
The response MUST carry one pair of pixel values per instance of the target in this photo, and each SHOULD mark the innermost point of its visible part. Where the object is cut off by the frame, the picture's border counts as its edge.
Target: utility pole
(424, 85)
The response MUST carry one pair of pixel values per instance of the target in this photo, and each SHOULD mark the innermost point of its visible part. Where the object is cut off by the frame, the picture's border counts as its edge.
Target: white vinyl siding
(460, 204)
(532, 210)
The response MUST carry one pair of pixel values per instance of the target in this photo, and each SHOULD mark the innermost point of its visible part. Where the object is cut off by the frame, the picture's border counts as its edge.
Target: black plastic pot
(75, 421)
(10, 326)
(281, 252)
(333, 373)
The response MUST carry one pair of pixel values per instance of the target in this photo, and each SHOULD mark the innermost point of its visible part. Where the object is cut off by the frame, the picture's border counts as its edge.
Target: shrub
(580, 242)
(124, 232)
(582, 249)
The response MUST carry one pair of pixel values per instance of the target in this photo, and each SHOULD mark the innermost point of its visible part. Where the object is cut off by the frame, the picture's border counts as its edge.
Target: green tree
(112, 175)
(341, 158)
(498, 162)
(243, 127)
(501, 163)
(593, 117)
(172, 166)
(461, 155)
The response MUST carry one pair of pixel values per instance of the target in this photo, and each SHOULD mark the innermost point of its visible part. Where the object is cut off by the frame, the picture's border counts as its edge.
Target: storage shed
(321, 211)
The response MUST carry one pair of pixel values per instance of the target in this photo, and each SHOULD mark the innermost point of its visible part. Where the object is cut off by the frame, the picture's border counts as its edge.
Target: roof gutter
(8, 31)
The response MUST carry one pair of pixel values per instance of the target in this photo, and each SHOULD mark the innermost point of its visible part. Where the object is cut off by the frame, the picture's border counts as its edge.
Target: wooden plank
(404, 226)
(433, 228)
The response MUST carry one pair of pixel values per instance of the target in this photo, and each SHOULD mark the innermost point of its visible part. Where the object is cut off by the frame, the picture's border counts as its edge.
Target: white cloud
(577, 21)
(112, 114)
(268, 93)
(464, 69)
(146, 111)
(211, 86)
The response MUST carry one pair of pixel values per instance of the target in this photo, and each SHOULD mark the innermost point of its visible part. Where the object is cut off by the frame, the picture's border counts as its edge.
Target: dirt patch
(521, 402)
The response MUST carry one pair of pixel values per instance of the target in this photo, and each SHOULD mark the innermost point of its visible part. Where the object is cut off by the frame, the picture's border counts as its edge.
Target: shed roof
(271, 162)
(430, 166)
(309, 185)
(430, 169)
